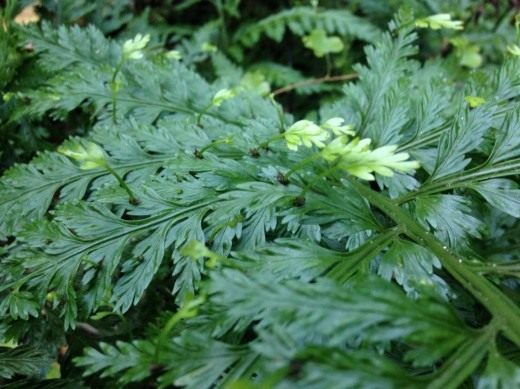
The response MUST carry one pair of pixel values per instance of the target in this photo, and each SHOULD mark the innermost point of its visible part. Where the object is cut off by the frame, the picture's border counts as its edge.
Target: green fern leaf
(302, 20)
(22, 360)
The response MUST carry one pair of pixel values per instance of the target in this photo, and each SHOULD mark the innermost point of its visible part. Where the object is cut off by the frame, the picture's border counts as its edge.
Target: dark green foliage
(24, 361)
(175, 239)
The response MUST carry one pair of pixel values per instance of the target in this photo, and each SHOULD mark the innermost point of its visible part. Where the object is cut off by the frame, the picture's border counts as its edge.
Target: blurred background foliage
(254, 43)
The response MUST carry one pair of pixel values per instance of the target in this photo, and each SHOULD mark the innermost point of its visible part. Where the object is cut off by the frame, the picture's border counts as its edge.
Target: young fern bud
(355, 156)
(133, 48)
(221, 96)
(514, 50)
(336, 126)
(321, 44)
(91, 156)
(195, 250)
(474, 101)
(438, 21)
(174, 54)
(381, 160)
(307, 133)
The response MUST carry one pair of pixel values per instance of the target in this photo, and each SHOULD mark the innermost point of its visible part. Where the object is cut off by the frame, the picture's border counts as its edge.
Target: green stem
(324, 174)
(203, 112)
(115, 89)
(222, 18)
(301, 164)
(344, 270)
(280, 113)
(503, 269)
(328, 64)
(506, 312)
(424, 140)
(133, 199)
(265, 144)
(210, 146)
(188, 311)
(163, 336)
(467, 358)
(458, 180)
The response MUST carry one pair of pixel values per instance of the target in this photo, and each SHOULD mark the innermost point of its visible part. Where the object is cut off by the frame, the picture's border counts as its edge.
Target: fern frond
(60, 48)
(195, 361)
(130, 362)
(302, 20)
(273, 263)
(22, 360)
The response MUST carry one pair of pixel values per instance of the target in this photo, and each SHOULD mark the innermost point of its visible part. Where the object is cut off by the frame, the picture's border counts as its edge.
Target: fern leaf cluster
(302, 20)
(205, 251)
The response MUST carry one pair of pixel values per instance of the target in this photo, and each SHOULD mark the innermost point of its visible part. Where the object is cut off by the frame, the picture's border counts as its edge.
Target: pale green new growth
(337, 127)
(209, 47)
(514, 50)
(91, 156)
(321, 44)
(356, 158)
(353, 156)
(438, 21)
(474, 101)
(133, 48)
(221, 96)
(195, 250)
(174, 54)
(306, 133)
